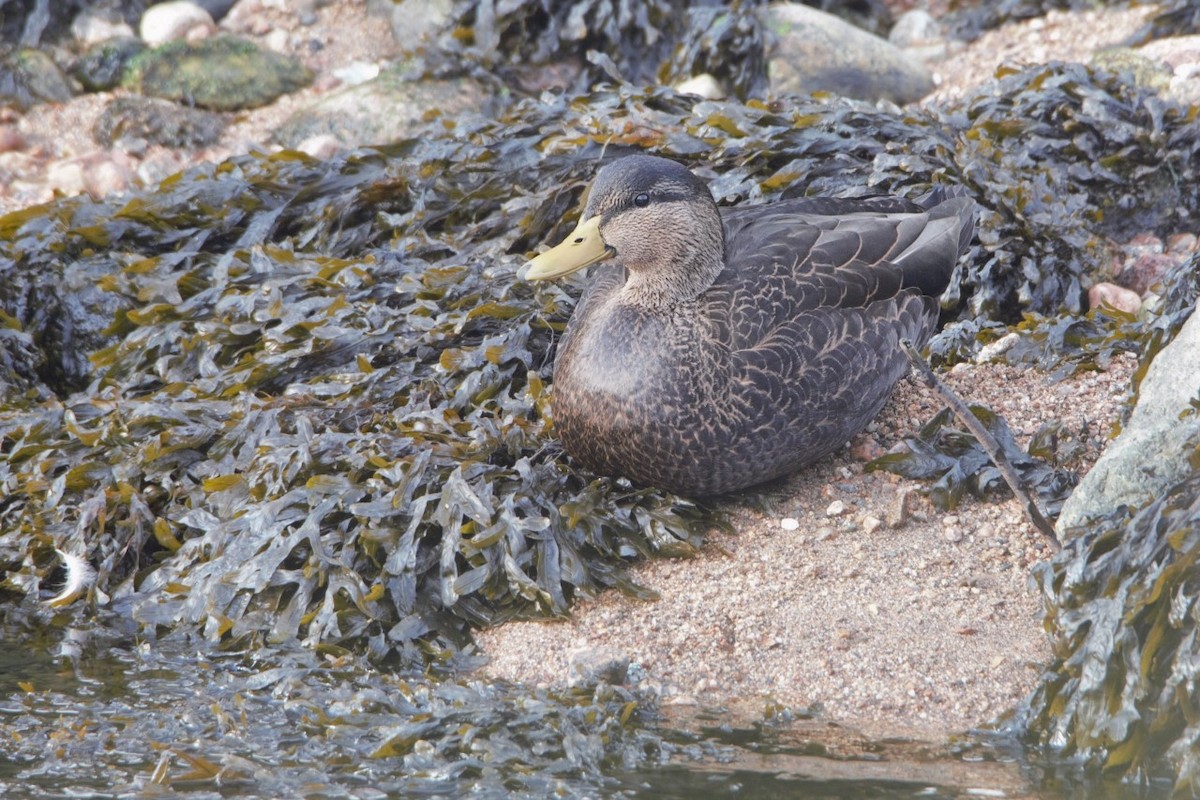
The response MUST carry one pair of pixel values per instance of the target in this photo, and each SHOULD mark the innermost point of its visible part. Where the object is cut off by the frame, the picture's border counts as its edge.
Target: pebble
(356, 72)
(789, 523)
(65, 177)
(900, 510)
(865, 448)
(871, 524)
(174, 20)
(107, 176)
(91, 27)
(702, 85)
(1181, 243)
(835, 509)
(322, 146)
(277, 40)
(1118, 297)
(992, 351)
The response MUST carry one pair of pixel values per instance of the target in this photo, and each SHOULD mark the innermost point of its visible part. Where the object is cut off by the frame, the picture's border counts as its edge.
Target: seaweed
(283, 397)
(957, 464)
(1174, 18)
(1062, 157)
(664, 41)
(1121, 600)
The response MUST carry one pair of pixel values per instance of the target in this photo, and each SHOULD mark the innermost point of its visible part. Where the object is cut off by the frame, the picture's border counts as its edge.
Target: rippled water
(88, 713)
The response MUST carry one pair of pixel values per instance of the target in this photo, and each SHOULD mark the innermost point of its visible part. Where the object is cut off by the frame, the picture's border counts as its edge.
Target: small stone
(900, 510)
(277, 40)
(835, 509)
(871, 524)
(322, 146)
(789, 523)
(1118, 297)
(952, 535)
(92, 27)
(865, 448)
(589, 666)
(702, 85)
(915, 27)
(992, 351)
(1181, 243)
(356, 72)
(174, 20)
(66, 177)
(107, 176)
(825, 532)
(873, 609)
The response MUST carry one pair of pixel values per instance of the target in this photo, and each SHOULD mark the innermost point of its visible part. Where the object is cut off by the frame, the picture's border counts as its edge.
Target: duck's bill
(582, 248)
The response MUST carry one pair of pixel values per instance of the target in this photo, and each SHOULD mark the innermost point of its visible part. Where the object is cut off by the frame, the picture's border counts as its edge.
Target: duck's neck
(684, 264)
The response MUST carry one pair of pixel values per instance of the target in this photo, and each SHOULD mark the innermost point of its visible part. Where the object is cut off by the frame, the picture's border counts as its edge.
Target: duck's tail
(928, 263)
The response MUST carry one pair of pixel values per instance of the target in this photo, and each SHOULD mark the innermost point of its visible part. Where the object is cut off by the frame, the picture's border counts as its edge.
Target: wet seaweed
(956, 464)
(665, 41)
(290, 398)
(1061, 157)
(1121, 600)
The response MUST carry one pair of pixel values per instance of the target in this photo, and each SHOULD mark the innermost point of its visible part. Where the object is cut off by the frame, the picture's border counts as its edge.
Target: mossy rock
(101, 66)
(222, 74)
(29, 77)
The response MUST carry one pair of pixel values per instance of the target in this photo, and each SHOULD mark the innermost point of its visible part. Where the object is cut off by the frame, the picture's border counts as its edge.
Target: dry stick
(986, 441)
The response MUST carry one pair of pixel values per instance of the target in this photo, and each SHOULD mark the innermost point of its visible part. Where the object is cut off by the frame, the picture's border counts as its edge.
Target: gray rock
(158, 122)
(915, 27)
(215, 8)
(816, 51)
(592, 665)
(382, 110)
(1151, 452)
(412, 21)
(28, 77)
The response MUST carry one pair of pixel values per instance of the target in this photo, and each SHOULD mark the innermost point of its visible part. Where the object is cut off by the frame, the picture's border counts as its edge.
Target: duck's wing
(829, 372)
(787, 260)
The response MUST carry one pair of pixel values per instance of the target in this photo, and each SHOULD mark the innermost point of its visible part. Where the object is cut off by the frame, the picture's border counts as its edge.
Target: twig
(986, 441)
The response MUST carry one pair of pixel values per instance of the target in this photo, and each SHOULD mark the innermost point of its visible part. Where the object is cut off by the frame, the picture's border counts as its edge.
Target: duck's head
(656, 218)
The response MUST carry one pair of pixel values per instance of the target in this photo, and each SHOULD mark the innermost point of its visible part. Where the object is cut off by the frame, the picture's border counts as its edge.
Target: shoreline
(917, 629)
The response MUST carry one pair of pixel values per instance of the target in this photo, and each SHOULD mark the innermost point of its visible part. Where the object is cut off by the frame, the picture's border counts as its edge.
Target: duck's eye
(642, 200)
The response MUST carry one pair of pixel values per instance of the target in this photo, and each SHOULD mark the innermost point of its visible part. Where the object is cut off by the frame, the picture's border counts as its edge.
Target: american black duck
(718, 348)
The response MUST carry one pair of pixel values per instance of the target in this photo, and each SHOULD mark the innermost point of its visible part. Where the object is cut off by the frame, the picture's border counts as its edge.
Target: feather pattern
(788, 349)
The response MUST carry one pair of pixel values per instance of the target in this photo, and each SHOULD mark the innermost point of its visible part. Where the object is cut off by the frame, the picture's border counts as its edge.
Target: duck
(717, 348)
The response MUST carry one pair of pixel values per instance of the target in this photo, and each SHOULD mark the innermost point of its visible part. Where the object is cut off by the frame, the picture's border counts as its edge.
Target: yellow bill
(582, 247)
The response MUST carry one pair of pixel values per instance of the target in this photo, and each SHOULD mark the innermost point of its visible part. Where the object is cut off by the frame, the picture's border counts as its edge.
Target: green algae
(224, 73)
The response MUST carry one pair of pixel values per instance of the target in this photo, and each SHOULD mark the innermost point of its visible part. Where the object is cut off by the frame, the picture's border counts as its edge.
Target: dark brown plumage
(717, 349)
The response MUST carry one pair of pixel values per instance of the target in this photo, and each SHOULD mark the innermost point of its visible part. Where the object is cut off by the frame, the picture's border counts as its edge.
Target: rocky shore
(839, 592)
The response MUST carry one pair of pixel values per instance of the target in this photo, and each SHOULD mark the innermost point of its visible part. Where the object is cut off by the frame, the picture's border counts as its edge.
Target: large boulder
(1152, 452)
(815, 51)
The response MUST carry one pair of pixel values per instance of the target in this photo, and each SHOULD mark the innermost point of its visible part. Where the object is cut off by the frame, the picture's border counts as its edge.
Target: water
(85, 712)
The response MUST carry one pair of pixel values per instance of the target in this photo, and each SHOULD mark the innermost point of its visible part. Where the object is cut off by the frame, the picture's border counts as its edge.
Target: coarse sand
(902, 623)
